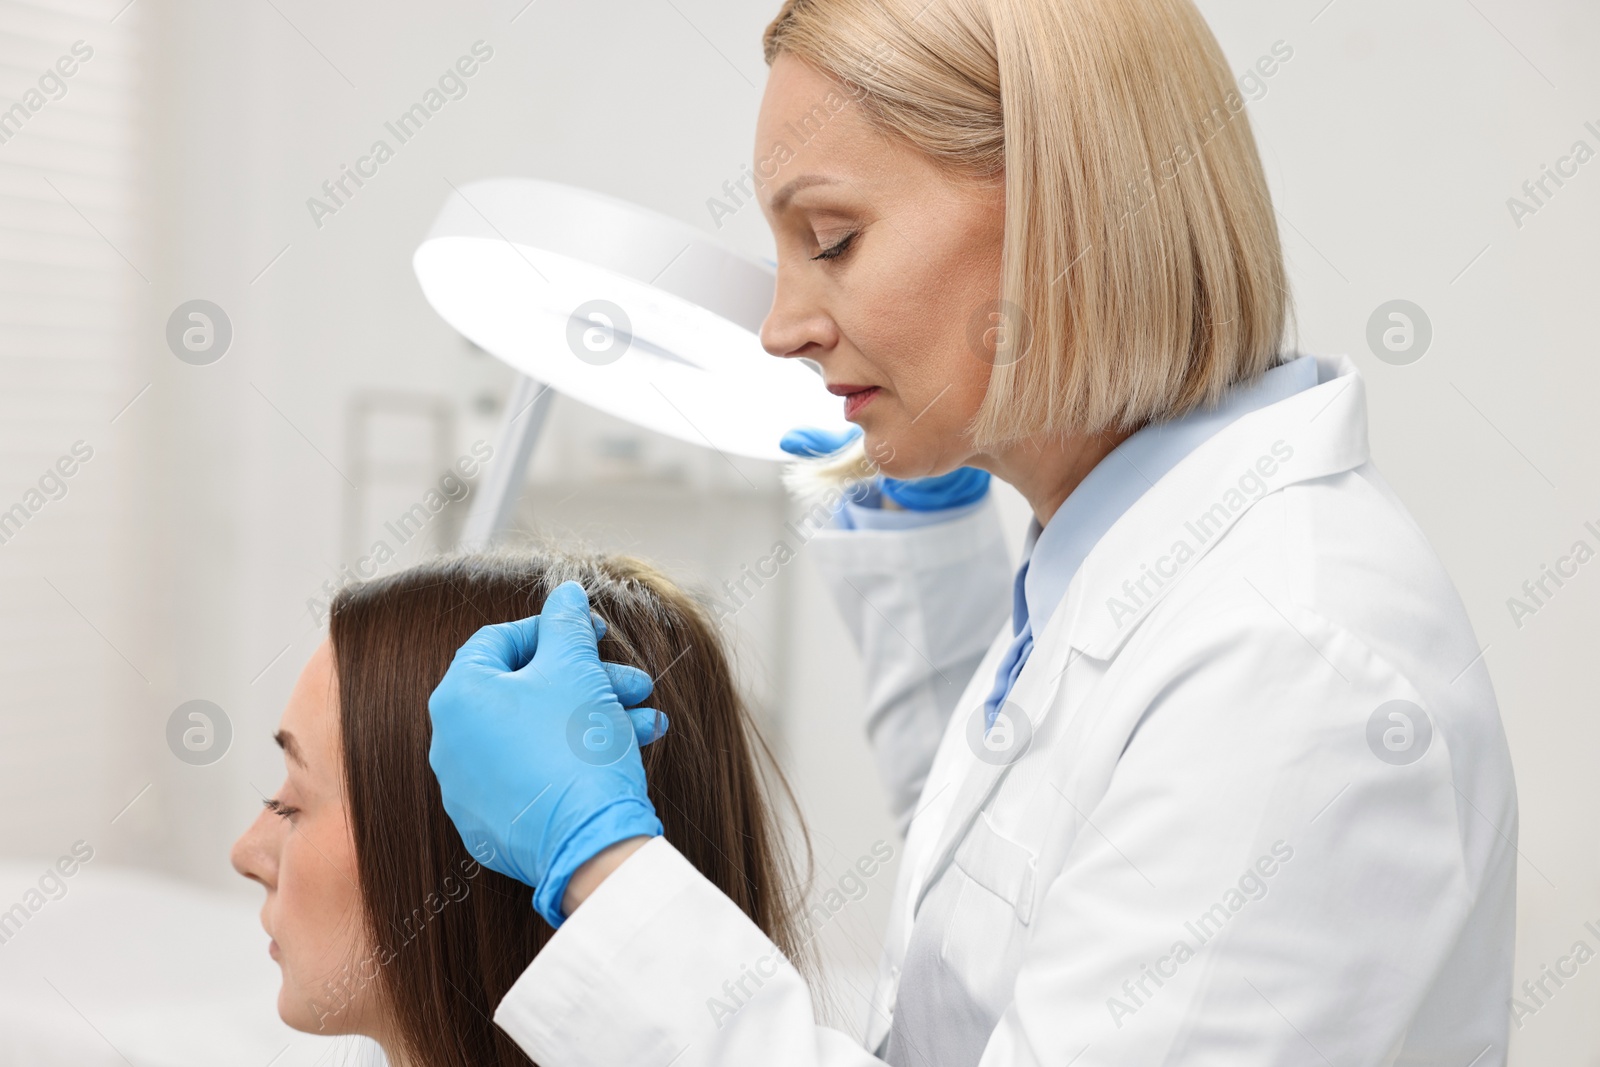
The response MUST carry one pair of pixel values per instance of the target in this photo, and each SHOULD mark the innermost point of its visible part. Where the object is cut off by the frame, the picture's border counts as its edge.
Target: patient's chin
(297, 1012)
(329, 1012)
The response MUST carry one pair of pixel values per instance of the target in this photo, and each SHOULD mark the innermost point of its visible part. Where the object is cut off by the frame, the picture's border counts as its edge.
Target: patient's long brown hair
(451, 937)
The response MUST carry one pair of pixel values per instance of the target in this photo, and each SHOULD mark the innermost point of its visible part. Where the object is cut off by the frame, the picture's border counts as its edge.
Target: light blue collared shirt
(1053, 554)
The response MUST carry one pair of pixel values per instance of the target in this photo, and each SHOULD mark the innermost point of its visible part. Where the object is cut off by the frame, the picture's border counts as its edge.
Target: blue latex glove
(537, 759)
(961, 486)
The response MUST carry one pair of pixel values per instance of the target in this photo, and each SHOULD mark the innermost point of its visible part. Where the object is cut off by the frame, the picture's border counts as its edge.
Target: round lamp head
(626, 310)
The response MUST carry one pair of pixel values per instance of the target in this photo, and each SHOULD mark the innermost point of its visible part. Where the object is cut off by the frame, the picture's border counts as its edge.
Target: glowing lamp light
(629, 311)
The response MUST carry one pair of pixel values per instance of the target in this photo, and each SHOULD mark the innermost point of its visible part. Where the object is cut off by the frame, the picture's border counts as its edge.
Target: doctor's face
(300, 850)
(884, 260)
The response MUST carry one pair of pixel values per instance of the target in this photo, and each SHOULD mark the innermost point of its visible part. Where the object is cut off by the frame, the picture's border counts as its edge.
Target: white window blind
(70, 279)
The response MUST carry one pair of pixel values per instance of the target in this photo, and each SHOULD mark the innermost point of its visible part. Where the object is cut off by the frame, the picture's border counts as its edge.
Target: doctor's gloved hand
(964, 485)
(536, 755)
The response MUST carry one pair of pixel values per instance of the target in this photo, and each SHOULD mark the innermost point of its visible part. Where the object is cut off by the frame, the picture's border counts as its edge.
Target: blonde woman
(1217, 777)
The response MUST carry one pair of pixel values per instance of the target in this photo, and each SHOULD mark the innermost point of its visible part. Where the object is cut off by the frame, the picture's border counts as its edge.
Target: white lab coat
(1213, 847)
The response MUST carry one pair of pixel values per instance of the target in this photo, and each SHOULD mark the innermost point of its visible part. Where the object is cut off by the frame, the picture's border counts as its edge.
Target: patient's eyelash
(278, 807)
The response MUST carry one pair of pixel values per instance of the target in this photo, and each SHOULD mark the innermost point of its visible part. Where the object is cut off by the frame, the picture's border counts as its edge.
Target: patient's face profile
(300, 849)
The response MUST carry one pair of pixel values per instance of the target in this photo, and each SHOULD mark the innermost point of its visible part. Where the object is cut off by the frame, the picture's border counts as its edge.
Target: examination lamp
(627, 310)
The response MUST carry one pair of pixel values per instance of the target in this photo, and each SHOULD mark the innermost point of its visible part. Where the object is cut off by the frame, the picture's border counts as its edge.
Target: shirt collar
(1052, 554)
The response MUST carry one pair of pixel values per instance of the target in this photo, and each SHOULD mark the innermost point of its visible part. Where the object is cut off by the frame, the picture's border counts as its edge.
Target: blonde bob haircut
(1141, 274)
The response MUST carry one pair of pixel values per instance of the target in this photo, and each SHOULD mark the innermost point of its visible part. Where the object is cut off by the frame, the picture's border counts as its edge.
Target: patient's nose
(253, 855)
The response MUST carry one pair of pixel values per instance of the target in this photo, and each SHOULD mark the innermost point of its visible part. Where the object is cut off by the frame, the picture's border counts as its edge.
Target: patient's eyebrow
(287, 743)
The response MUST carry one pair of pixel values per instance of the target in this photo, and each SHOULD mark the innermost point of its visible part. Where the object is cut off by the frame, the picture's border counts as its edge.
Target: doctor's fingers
(496, 649)
(648, 724)
(631, 684)
(509, 646)
(567, 637)
(812, 441)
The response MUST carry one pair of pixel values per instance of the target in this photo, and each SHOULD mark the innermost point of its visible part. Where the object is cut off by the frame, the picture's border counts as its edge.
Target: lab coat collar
(1053, 553)
(1322, 430)
(1311, 434)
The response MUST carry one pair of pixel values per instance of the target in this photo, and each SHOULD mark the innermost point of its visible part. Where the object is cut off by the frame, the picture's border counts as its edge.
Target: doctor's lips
(855, 396)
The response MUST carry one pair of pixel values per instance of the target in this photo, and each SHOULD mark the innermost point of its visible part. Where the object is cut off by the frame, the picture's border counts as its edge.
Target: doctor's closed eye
(838, 248)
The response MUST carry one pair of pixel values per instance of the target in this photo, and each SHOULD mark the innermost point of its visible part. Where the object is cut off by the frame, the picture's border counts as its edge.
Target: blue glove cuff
(623, 818)
(962, 486)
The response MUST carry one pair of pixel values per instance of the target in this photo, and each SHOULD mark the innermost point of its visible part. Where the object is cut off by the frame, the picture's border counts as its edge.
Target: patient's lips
(272, 943)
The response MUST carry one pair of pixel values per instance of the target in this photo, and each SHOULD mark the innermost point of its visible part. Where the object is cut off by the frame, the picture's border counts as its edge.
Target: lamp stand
(495, 502)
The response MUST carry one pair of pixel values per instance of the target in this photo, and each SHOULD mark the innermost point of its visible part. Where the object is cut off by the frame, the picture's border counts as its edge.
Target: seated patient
(381, 921)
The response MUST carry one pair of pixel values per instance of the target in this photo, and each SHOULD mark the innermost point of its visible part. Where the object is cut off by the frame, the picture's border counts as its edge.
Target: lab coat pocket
(1000, 865)
(988, 925)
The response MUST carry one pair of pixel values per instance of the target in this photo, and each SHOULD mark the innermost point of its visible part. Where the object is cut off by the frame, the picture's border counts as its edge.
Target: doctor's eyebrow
(781, 198)
(290, 748)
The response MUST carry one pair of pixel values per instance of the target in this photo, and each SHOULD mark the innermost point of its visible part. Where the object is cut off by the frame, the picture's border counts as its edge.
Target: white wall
(68, 240)
(1393, 138)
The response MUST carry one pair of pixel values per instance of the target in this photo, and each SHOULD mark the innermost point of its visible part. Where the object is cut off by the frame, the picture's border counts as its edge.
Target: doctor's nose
(797, 326)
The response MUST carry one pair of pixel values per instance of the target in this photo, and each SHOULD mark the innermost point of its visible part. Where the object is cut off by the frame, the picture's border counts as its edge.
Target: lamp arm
(495, 501)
